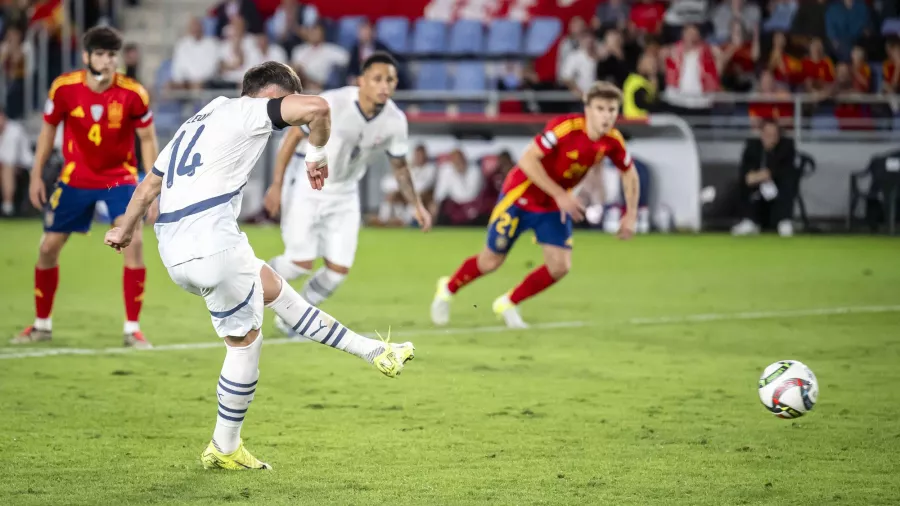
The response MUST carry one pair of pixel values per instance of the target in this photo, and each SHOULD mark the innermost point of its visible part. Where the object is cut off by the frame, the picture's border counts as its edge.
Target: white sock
(236, 388)
(401, 213)
(384, 212)
(43, 323)
(321, 285)
(132, 327)
(321, 327)
(8, 208)
(287, 269)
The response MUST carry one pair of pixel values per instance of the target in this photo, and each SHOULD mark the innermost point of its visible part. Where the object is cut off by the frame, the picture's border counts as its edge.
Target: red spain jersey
(822, 70)
(98, 140)
(568, 155)
(891, 72)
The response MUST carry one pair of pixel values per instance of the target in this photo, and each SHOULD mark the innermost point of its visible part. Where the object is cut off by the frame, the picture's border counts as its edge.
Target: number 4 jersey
(98, 139)
(204, 169)
(568, 154)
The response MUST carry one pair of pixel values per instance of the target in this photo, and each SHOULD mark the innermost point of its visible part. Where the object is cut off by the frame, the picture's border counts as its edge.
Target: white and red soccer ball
(788, 388)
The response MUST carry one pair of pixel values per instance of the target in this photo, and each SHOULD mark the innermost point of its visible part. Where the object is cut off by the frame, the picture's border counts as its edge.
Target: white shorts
(229, 282)
(315, 224)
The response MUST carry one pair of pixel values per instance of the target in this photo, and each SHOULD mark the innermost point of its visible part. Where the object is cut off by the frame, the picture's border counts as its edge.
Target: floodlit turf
(610, 413)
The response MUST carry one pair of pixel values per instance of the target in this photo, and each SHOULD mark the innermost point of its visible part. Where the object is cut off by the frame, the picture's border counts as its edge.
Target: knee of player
(50, 247)
(559, 267)
(488, 261)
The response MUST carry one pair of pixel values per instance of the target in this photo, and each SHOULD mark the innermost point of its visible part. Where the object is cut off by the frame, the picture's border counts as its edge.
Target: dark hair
(379, 57)
(102, 38)
(270, 73)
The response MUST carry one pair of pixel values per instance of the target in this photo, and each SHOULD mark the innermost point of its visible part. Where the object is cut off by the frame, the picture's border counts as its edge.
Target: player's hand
(272, 200)
(37, 193)
(152, 212)
(627, 227)
(571, 206)
(316, 175)
(117, 238)
(423, 217)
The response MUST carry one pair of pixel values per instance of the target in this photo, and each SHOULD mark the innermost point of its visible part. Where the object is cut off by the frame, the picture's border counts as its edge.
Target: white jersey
(204, 170)
(356, 139)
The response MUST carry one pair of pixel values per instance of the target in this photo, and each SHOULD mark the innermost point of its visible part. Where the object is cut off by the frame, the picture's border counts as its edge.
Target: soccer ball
(788, 389)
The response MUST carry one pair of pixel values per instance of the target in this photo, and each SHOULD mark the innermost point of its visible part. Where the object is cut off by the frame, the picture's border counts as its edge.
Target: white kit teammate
(199, 177)
(325, 224)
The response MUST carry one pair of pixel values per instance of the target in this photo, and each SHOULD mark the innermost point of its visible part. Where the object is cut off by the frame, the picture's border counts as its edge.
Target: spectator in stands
(846, 21)
(570, 43)
(227, 11)
(237, 53)
(850, 115)
(15, 155)
(611, 14)
(691, 74)
(818, 69)
(680, 15)
(859, 68)
(14, 56)
(729, 11)
(394, 210)
(131, 60)
(640, 93)
(317, 59)
(891, 69)
(456, 191)
(809, 21)
(647, 17)
(771, 102)
(579, 70)
(737, 59)
(612, 62)
(268, 51)
(196, 58)
(781, 15)
(784, 67)
(768, 182)
(290, 23)
(364, 47)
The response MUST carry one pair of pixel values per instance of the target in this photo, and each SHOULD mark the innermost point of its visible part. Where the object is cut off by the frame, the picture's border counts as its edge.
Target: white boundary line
(763, 315)
(17, 353)
(216, 343)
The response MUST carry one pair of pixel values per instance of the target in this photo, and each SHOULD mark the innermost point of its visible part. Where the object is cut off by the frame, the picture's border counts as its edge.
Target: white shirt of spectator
(15, 149)
(581, 68)
(690, 86)
(318, 61)
(274, 53)
(722, 17)
(252, 56)
(423, 178)
(195, 61)
(356, 140)
(460, 188)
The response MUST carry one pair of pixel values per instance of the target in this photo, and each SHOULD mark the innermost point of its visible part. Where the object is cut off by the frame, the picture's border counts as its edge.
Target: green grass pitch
(621, 410)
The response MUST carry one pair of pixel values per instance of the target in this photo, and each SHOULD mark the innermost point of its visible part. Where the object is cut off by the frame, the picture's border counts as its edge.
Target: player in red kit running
(536, 196)
(102, 110)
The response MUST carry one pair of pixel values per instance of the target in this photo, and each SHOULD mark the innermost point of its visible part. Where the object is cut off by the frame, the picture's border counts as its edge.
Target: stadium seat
(777, 24)
(470, 77)
(348, 27)
(891, 26)
(825, 123)
(504, 38)
(429, 38)
(541, 34)
(432, 76)
(466, 38)
(209, 26)
(393, 32)
(166, 113)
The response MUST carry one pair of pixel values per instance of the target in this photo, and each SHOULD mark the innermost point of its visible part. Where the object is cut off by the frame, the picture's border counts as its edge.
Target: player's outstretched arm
(408, 190)
(120, 237)
(315, 113)
(531, 165)
(631, 187)
(272, 200)
(36, 191)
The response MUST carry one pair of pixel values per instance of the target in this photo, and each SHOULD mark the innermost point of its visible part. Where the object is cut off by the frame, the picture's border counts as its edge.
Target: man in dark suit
(768, 182)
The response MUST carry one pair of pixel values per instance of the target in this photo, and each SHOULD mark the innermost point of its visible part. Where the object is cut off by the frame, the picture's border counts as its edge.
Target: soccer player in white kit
(199, 177)
(326, 224)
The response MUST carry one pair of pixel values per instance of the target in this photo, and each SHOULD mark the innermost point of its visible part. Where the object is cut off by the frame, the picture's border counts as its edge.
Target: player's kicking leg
(46, 280)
